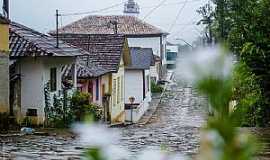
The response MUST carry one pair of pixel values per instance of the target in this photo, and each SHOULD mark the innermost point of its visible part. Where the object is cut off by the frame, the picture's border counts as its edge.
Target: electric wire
(155, 8)
(94, 11)
(178, 15)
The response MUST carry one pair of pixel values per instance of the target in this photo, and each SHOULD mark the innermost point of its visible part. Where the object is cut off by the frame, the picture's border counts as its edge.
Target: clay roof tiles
(24, 41)
(103, 50)
(127, 25)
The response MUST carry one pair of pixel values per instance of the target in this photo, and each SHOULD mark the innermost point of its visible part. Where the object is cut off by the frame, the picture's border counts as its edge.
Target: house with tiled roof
(36, 63)
(110, 52)
(138, 33)
(137, 83)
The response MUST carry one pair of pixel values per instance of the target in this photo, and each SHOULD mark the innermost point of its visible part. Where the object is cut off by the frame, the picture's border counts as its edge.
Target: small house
(110, 55)
(137, 83)
(36, 62)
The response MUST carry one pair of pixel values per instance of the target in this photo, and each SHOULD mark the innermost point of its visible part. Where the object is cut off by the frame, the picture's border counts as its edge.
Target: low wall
(135, 113)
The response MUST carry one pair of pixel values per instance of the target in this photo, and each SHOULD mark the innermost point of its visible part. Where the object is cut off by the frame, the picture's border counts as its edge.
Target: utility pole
(6, 8)
(57, 27)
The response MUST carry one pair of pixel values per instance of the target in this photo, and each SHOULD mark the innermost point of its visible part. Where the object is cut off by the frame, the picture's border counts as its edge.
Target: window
(114, 92)
(53, 79)
(97, 89)
(118, 90)
(122, 87)
(31, 112)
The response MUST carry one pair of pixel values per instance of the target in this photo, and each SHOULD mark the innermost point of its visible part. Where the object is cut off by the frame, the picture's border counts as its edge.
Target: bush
(155, 88)
(82, 108)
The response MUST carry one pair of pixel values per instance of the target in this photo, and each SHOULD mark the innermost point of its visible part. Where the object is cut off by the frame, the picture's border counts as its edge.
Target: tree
(207, 14)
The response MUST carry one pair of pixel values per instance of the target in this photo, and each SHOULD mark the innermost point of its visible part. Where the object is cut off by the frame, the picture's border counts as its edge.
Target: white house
(37, 63)
(138, 33)
(137, 83)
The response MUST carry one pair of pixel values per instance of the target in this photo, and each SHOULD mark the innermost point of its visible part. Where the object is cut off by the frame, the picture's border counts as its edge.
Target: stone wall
(4, 82)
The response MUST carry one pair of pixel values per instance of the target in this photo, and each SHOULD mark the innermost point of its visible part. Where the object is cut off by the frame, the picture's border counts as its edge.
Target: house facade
(4, 65)
(109, 53)
(137, 32)
(137, 83)
(36, 64)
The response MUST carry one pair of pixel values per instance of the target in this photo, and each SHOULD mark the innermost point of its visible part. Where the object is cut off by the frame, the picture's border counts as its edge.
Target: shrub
(155, 88)
(81, 107)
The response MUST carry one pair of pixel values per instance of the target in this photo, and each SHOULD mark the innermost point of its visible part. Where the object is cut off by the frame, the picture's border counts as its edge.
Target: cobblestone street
(175, 125)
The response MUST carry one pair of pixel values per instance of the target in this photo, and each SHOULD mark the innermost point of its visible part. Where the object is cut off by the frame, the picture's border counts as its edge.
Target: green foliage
(94, 154)
(82, 107)
(248, 95)
(221, 140)
(244, 26)
(155, 88)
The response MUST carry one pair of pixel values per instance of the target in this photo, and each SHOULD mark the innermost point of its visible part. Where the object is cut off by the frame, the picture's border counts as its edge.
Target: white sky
(39, 14)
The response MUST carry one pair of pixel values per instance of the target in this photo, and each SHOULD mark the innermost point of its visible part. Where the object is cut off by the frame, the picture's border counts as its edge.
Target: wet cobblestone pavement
(175, 125)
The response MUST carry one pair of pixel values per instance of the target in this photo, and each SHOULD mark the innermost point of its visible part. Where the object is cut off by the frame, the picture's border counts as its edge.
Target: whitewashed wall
(35, 73)
(134, 85)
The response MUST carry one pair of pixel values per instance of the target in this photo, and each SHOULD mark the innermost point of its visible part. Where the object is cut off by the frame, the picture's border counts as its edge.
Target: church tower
(131, 8)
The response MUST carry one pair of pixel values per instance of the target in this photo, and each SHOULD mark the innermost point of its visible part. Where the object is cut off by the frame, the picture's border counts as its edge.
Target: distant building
(131, 8)
(137, 32)
(171, 55)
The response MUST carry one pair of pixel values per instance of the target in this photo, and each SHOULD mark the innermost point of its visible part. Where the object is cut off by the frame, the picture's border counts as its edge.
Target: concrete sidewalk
(149, 113)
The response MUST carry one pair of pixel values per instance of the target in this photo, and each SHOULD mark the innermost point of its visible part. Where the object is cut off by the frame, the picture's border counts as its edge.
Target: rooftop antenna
(115, 26)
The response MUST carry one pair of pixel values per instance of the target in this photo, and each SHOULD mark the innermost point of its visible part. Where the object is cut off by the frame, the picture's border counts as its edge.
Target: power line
(156, 7)
(90, 12)
(153, 6)
(178, 15)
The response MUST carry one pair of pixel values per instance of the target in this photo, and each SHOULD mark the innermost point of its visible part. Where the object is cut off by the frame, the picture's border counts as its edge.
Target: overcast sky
(39, 14)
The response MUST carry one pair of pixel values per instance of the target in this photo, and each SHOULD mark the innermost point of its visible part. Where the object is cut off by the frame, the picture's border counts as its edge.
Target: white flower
(94, 135)
(204, 63)
(149, 154)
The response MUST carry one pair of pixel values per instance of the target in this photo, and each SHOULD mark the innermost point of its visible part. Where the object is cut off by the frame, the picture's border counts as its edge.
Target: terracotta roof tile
(103, 50)
(127, 25)
(24, 41)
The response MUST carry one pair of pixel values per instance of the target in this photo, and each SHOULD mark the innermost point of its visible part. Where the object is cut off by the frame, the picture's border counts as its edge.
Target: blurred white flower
(205, 62)
(114, 152)
(94, 135)
(149, 154)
